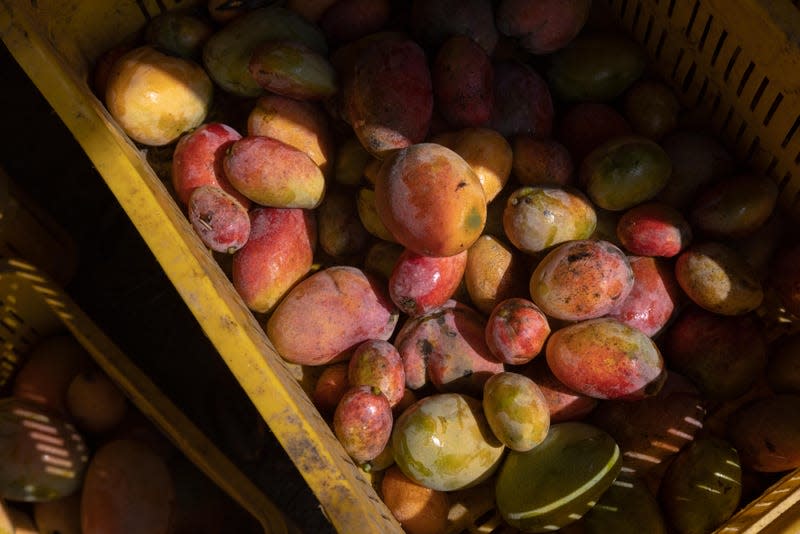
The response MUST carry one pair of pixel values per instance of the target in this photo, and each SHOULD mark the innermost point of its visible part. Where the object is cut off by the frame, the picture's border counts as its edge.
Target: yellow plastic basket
(32, 307)
(734, 60)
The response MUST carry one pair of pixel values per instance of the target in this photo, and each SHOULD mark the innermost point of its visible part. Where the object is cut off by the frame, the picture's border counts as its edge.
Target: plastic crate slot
(754, 146)
(637, 13)
(689, 77)
(648, 31)
(771, 167)
(745, 78)
(784, 180)
(660, 46)
(623, 8)
(9, 324)
(731, 63)
(701, 95)
(677, 64)
(773, 108)
(704, 36)
(759, 93)
(687, 32)
(143, 9)
(670, 8)
(718, 48)
(790, 134)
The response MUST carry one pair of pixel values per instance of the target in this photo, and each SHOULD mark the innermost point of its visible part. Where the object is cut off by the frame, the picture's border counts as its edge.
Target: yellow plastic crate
(32, 307)
(734, 60)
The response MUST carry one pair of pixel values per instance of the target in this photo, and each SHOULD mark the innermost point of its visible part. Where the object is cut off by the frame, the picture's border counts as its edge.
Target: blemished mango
(325, 316)
(430, 200)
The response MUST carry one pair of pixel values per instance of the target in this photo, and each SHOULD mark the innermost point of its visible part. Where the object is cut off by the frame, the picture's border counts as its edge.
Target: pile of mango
(512, 255)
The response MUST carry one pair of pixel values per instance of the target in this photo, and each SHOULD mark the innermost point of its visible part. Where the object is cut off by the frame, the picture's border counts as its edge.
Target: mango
(563, 403)
(343, 306)
(430, 200)
(525, 105)
(278, 254)
(702, 487)
(626, 507)
(227, 53)
(362, 422)
(516, 410)
(542, 27)
(419, 284)
(654, 229)
(463, 82)
(376, 363)
(389, 98)
(735, 206)
(606, 359)
(494, 272)
(516, 331)
(433, 21)
(541, 161)
(292, 69)
(765, 433)
(444, 442)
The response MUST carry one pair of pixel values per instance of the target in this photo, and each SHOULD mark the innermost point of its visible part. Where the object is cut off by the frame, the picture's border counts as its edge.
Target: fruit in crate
(444, 442)
(156, 98)
(42, 456)
(222, 223)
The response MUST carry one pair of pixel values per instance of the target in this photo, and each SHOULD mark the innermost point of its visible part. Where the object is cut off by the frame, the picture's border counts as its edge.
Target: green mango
(227, 53)
(627, 507)
(702, 487)
(595, 67)
(558, 481)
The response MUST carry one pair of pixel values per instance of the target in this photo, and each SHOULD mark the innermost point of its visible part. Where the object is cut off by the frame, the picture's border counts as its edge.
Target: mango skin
(430, 200)
(516, 410)
(279, 253)
(766, 434)
(444, 442)
(689, 505)
(462, 77)
(606, 359)
(389, 98)
(582, 279)
(343, 306)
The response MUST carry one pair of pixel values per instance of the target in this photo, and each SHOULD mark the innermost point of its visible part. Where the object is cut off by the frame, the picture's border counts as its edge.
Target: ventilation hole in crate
(161, 6)
(704, 36)
(745, 78)
(636, 14)
(771, 167)
(754, 146)
(784, 180)
(623, 8)
(484, 518)
(731, 63)
(678, 60)
(143, 9)
(720, 42)
(701, 95)
(759, 93)
(797, 158)
(740, 132)
(671, 8)
(727, 119)
(687, 80)
(648, 30)
(660, 46)
(9, 325)
(692, 18)
(791, 132)
(773, 108)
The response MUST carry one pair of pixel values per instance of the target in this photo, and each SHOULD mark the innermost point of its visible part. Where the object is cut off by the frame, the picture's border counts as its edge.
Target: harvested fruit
(463, 82)
(143, 97)
(624, 172)
(654, 229)
(419, 284)
(626, 507)
(330, 387)
(542, 27)
(340, 231)
(433, 21)
(227, 53)
(766, 435)
(419, 510)
(292, 69)
(197, 160)
(606, 359)
(584, 126)
(343, 306)
(128, 489)
(179, 34)
(516, 331)
(42, 456)
(652, 108)
(279, 252)
(654, 299)
(526, 106)
(362, 422)
(558, 481)
(271, 173)
(541, 161)
(444, 442)
(516, 410)
(430, 200)
(783, 365)
(702, 486)
(582, 279)
(716, 277)
(536, 218)
(96, 403)
(220, 220)
(495, 271)
(563, 403)
(376, 363)
(448, 347)
(734, 207)
(59, 516)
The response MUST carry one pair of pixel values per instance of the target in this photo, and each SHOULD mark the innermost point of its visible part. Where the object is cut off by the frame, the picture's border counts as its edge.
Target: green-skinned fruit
(558, 481)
